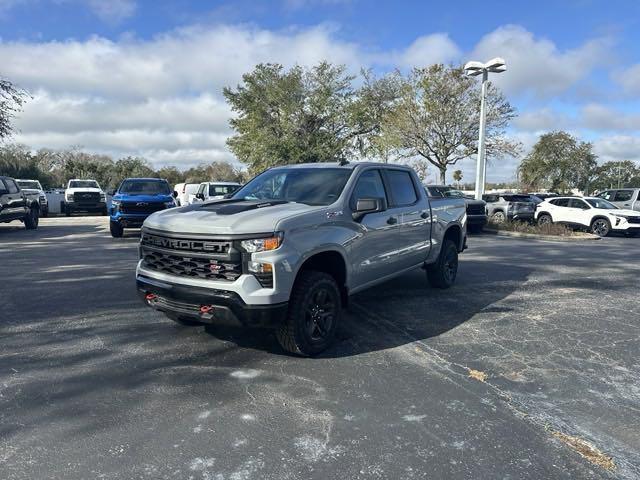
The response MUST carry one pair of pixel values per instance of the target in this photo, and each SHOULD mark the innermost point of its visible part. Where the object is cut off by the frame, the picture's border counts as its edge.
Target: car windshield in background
(29, 184)
(221, 189)
(312, 186)
(601, 203)
(84, 184)
(144, 187)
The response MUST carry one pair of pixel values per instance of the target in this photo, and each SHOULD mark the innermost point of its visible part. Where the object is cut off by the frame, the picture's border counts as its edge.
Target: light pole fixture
(495, 65)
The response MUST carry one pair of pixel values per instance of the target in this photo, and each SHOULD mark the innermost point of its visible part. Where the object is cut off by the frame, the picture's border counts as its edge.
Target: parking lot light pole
(495, 65)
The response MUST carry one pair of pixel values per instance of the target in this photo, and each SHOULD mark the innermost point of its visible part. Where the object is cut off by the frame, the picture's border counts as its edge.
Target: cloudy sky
(144, 77)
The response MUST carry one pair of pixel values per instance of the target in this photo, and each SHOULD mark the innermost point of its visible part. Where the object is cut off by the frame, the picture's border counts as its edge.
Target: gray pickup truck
(16, 204)
(287, 249)
(625, 198)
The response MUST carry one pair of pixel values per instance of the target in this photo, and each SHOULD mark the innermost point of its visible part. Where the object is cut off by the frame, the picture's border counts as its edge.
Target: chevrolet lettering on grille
(180, 244)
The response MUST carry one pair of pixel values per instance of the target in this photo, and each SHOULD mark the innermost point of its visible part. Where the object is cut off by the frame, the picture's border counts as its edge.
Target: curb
(535, 236)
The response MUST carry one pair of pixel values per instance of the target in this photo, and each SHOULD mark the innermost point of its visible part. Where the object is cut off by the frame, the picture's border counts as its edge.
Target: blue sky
(144, 77)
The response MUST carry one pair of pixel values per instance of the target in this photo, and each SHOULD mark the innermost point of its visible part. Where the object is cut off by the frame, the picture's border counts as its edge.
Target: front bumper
(214, 306)
(85, 207)
(129, 220)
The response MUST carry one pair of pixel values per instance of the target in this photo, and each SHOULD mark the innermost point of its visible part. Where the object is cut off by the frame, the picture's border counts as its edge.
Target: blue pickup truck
(136, 199)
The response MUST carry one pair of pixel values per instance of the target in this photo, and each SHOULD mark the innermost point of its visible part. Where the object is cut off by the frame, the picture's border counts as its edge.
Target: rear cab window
(623, 196)
(403, 190)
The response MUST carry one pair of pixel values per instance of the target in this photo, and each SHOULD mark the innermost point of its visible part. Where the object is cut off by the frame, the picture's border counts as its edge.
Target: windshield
(144, 187)
(215, 190)
(312, 186)
(83, 184)
(33, 184)
(601, 203)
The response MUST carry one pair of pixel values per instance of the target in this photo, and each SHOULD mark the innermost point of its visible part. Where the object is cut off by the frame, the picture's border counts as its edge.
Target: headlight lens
(115, 203)
(70, 197)
(103, 197)
(262, 244)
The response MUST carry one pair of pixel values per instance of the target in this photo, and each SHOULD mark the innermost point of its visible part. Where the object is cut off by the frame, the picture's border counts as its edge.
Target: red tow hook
(150, 297)
(205, 309)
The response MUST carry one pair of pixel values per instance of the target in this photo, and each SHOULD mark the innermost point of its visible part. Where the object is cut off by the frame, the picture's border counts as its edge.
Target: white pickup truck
(84, 196)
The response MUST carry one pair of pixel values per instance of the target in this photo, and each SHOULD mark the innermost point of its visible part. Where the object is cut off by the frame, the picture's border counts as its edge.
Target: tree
(437, 117)
(457, 176)
(12, 99)
(558, 162)
(616, 174)
(304, 115)
(130, 167)
(171, 174)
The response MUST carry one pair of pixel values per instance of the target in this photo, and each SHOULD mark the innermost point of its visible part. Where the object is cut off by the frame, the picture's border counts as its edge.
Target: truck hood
(83, 189)
(227, 217)
(142, 198)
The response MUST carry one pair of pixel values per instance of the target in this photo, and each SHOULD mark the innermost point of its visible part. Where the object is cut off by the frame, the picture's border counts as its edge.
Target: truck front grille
(193, 258)
(86, 197)
(475, 210)
(141, 207)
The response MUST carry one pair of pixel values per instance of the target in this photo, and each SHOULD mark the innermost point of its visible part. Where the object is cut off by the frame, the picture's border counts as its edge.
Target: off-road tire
(116, 229)
(498, 217)
(296, 334)
(442, 273)
(601, 227)
(184, 321)
(32, 219)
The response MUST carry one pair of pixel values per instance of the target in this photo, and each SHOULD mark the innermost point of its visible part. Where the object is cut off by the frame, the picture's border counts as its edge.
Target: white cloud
(429, 49)
(601, 117)
(543, 119)
(618, 147)
(536, 65)
(629, 79)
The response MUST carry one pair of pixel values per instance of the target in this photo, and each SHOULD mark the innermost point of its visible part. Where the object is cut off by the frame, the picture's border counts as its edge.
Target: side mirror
(174, 194)
(200, 196)
(367, 205)
(111, 192)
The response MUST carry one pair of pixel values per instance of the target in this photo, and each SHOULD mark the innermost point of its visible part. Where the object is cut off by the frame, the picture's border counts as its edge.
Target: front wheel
(442, 273)
(544, 219)
(313, 316)
(498, 217)
(600, 227)
(116, 229)
(32, 219)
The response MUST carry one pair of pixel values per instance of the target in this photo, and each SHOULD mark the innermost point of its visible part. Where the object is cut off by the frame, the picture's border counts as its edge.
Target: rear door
(580, 211)
(623, 198)
(410, 209)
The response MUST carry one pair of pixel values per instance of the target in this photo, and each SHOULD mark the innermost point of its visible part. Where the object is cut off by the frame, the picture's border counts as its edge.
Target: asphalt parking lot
(95, 385)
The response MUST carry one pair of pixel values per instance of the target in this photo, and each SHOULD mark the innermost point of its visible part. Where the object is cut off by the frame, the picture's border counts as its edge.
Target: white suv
(596, 214)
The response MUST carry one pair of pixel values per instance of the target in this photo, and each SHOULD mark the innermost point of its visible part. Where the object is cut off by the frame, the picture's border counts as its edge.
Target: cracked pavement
(95, 385)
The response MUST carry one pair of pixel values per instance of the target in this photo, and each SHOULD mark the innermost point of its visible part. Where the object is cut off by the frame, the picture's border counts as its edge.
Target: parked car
(213, 190)
(545, 195)
(84, 196)
(627, 198)
(509, 206)
(184, 191)
(16, 204)
(33, 186)
(597, 215)
(289, 247)
(135, 199)
(476, 209)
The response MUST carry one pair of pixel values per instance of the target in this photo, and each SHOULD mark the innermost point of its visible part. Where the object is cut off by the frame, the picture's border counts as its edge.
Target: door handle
(392, 220)
(424, 215)
(627, 204)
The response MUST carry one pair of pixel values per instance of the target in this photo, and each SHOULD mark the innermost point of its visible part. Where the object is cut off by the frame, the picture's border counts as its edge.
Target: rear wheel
(116, 229)
(442, 273)
(600, 227)
(32, 219)
(544, 219)
(313, 315)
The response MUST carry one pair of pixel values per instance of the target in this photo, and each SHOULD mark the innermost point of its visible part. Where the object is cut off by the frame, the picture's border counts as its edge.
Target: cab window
(623, 196)
(202, 188)
(11, 185)
(608, 195)
(403, 191)
(369, 185)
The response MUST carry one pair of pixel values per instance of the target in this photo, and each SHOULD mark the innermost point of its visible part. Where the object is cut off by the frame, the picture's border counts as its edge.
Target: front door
(14, 204)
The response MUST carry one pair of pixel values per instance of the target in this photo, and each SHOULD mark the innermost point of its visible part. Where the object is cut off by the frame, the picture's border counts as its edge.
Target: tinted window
(623, 195)
(221, 189)
(577, 203)
(369, 186)
(606, 195)
(402, 189)
(517, 198)
(83, 184)
(490, 198)
(144, 187)
(11, 185)
(560, 202)
(33, 184)
(312, 186)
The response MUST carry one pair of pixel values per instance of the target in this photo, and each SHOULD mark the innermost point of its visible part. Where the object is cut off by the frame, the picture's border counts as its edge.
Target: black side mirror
(200, 196)
(174, 194)
(367, 205)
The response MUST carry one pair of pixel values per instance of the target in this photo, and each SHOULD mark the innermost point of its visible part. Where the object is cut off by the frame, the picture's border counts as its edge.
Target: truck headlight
(262, 244)
(103, 197)
(70, 197)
